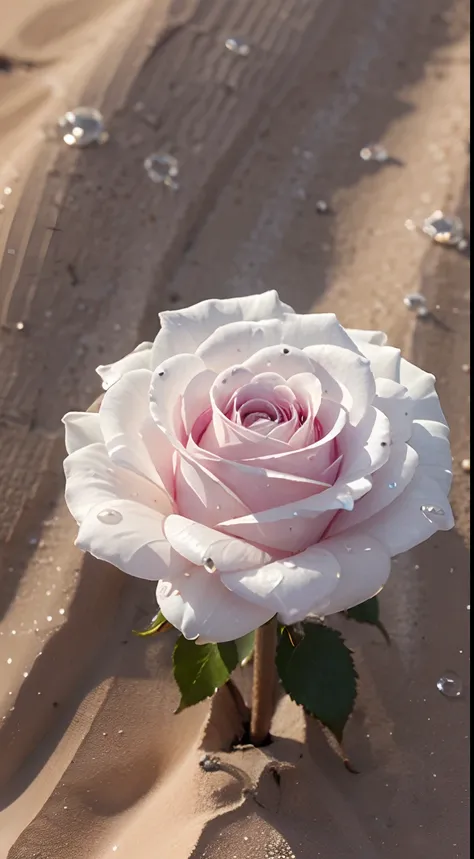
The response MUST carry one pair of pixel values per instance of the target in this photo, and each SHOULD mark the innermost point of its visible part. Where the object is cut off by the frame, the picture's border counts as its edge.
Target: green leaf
(245, 647)
(318, 672)
(368, 612)
(158, 624)
(201, 669)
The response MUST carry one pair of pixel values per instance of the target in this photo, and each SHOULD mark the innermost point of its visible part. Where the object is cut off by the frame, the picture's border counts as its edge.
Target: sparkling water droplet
(422, 313)
(444, 229)
(374, 152)
(322, 207)
(9, 660)
(209, 565)
(7, 191)
(450, 684)
(431, 511)
(290, 564)
(109, 517)
(82, 126)
(392, 485)
(414, 300)
(237, 46)
(162, 168)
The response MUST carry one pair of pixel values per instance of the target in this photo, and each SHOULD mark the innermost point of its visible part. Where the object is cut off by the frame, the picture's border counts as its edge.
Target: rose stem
(264, 683)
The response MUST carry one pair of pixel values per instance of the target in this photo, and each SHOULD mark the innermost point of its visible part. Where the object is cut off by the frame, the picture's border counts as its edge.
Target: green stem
(264, 683)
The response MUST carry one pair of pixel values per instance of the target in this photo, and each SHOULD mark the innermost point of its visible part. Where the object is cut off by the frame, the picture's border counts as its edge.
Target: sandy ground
(92, 762)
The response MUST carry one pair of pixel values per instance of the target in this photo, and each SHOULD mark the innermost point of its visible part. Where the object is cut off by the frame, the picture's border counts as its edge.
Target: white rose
(255, 462)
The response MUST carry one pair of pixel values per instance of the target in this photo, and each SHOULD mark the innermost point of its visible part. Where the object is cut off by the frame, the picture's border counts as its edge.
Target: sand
(93, 763)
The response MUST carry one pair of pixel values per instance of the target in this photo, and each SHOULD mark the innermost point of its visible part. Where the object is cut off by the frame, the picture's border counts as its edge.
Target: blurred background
(154, 153)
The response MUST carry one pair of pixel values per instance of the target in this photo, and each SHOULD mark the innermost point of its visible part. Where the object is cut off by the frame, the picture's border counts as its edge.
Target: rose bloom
(257, 462)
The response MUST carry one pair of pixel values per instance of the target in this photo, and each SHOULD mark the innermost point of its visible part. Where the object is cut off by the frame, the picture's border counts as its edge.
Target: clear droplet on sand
(444, 229)
(414, 301)
(109, 517)
(237, 46)
(322, 207)
(82, 126)
(162, 168)
(374, 152)
(450, 684)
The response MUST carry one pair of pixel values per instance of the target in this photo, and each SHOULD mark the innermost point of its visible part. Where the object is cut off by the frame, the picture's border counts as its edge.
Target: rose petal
(388, 482)
(384, 361)
(365, 567)
(168, 382)
(197, 543)
(139, 359)
(122, 414)
(430, 439)
(378, 338)
(81, 429)
(345, 377)
(290, 588)
(185, 330)
(92, 478)
(421, 388)
(394, 401)
(410, 520)
(200, 496)
(198, 604)
(135, 544)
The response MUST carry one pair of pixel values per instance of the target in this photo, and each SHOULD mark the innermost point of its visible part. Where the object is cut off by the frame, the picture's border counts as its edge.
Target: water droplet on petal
(209, 565)
(109, 517)
(82, 126)
(450, 684)
(431, 511)
(237, 46)
(392, 485)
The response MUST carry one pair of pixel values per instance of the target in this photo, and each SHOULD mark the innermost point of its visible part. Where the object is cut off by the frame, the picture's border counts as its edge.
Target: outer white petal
(384, 361)
(421, 387)
(418, 513)
(185, 330)
(136, 544)
(388, 482)
(123, 413)
(290, 588)
(359, 336)
(430, 439)
(365, 567)
(198, 604)
(340, 370)
(198, 542)
(81, 429)
(139, 359)
(168, 382)
(92, 478)
(395, 402)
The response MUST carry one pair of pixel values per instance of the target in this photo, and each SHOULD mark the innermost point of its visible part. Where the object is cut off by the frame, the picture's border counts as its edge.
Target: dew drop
(374, 152)
(392, 485)
(9, 660)
(431, 511)
(444, 229)
(62, 611)
(162, 168)
(25, 674)
(209, 565)
(450, 684)
(49, 618)
(109, 517)
(82, 126)
(322, 207)
(237, 46)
